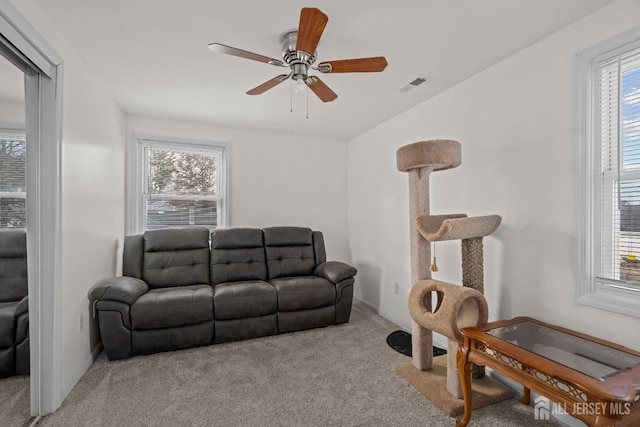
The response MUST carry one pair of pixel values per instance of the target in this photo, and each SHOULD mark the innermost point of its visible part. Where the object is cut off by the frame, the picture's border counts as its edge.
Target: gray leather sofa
(14, 304)
(186, 287)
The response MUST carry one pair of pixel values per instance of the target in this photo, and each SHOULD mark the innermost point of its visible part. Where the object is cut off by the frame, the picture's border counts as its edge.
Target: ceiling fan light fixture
(299, 86)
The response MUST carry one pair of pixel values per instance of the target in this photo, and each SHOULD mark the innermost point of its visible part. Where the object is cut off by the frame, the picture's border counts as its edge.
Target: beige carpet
(337, 376)
(15, 401)
(433, 385)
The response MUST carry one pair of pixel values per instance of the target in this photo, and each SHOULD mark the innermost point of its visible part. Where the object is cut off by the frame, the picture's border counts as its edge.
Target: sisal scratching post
(473, 277)
(473, 264)
(457, 306)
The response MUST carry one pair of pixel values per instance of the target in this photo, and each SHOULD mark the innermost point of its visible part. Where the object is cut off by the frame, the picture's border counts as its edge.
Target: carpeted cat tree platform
(457, 306)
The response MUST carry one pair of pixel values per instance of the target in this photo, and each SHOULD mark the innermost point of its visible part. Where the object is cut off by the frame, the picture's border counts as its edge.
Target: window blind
(618, 133)
(13, 180)
(181, 185)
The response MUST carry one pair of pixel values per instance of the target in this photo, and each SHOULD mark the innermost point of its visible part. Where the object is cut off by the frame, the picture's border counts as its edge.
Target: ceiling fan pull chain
(291, 97)
(307, 92)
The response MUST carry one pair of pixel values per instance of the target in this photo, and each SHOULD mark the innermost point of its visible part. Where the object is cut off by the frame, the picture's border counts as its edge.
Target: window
(13, 180)
(179, 184)
(609, 175)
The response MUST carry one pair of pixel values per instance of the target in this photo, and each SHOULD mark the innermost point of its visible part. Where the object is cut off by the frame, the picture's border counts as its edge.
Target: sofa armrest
(334, 271)
(122, 289)
(22, 307)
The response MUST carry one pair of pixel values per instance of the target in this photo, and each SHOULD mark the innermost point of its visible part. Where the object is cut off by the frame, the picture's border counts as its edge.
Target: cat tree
(457, 306)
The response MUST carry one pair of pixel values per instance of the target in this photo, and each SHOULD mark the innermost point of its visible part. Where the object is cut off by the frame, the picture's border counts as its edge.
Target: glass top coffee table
(592, 379)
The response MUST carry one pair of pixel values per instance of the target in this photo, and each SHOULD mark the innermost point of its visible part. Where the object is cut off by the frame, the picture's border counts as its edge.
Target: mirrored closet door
(14, 307)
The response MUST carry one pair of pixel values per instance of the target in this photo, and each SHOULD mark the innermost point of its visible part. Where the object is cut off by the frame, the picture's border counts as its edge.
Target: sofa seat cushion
(304, 293)
(7, 326)
(7, 304)
(240, 300)
(171, 307)
(244, 329)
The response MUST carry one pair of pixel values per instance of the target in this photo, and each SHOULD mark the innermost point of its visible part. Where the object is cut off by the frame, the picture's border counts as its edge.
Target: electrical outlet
(81, 322)
(396, 288)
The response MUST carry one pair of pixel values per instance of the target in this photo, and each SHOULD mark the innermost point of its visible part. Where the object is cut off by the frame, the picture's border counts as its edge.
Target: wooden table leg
(526, 396)
(464, 371)
(604, 421)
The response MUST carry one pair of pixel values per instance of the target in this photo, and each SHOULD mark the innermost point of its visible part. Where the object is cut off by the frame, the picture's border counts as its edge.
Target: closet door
(41, 66)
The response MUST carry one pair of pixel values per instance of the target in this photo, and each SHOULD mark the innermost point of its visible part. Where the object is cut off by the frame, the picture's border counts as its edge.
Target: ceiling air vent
(417, 82)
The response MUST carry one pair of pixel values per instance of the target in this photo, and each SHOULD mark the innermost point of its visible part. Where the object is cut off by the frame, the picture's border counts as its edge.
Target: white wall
(515, 124)
(92, 204)
(11, 95)
(11, 113)
(275, 178)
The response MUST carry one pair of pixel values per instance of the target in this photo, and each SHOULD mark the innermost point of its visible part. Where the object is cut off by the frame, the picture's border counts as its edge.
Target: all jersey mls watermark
(543, 408)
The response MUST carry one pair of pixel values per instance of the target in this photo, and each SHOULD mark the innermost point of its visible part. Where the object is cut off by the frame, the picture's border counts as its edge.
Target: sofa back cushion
(175, 257)
(237, 254)
(289, 251)
(13, 265)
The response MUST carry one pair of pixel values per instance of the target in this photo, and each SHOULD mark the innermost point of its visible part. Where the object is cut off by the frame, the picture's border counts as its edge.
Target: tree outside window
(13, 186)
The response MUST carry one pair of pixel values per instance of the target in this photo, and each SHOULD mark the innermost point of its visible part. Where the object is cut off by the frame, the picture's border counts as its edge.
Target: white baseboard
(401, 325)
(77, 375)
(439, 341)
(95, 352)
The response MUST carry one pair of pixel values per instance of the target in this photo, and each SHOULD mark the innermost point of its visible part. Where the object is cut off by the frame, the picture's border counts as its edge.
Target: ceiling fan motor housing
(299, 62)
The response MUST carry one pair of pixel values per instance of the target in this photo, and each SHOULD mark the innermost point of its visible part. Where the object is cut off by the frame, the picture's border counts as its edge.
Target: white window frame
(135, 220)
(589, 291)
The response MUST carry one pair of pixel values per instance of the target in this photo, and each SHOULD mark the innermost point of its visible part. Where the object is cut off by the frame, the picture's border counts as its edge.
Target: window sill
(617, 301)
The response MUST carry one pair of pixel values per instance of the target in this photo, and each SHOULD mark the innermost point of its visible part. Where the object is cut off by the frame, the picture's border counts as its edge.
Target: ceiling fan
(299, 54)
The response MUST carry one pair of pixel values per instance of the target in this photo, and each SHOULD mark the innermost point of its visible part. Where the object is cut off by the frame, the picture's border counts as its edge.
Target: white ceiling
(152, 54)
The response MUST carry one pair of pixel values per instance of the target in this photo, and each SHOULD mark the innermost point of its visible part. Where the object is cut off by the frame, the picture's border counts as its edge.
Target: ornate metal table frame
(574, 391)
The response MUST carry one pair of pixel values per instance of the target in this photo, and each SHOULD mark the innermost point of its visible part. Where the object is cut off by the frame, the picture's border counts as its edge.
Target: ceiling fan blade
(310, 28)
(321, 90)
(268, 85)
(358, 65)
(221, 48)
